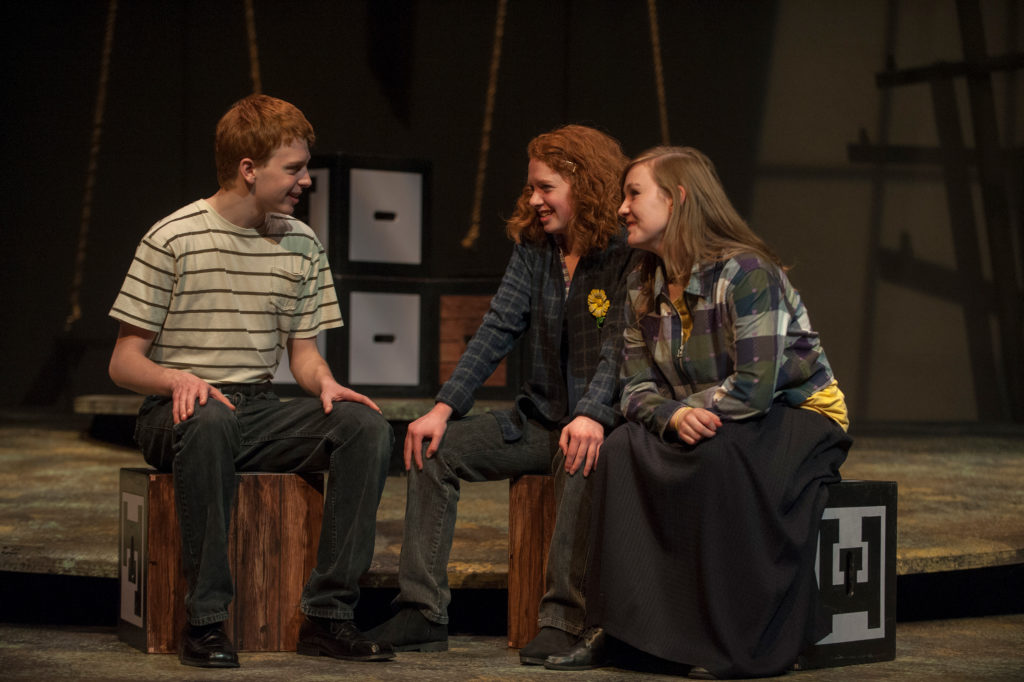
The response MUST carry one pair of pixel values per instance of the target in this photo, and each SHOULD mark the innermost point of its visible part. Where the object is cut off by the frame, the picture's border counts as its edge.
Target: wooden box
(275, 528)
(531, 522)
(856, 573)
(461, 315)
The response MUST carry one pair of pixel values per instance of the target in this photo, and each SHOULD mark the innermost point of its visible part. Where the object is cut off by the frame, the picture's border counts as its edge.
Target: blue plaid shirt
(751, 345)
(571, 363)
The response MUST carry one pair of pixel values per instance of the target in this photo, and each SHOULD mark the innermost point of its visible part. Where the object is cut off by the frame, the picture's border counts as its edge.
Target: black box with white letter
(856, 574)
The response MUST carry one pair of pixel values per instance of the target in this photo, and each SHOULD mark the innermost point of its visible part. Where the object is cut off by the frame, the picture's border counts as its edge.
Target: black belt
(245, 389)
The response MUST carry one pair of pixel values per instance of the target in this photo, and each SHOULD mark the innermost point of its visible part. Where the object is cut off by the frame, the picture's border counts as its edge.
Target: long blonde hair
(703, 226)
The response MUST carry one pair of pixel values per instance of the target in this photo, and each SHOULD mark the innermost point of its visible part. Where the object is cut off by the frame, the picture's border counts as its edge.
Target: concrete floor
(990, 648)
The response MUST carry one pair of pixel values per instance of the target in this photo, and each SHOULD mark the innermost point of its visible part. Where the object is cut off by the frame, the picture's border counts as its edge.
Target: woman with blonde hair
(562, 294)
(707, 501)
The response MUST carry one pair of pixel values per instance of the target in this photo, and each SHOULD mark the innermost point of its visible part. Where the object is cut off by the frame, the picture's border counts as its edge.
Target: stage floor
(960, 506)
(990, 648)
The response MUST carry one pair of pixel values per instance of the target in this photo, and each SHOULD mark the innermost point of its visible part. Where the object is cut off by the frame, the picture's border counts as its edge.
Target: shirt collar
(702, 280)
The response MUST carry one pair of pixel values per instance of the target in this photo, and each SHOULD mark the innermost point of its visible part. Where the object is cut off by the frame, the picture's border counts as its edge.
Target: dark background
(772, 91)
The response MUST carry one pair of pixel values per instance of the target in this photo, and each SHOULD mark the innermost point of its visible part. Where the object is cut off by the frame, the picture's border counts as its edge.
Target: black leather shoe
(409, 630)
(210, 648)
(549, 640)
(340, 639)
(592, 651)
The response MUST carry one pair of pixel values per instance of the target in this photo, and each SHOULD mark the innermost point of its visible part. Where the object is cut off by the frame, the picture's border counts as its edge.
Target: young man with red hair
(215, 293)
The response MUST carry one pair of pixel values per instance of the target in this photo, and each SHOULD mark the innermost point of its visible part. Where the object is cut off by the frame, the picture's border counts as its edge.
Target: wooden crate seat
(275, 528)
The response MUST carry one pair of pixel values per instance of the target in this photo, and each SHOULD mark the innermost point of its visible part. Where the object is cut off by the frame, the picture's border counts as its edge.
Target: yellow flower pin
(597, 304)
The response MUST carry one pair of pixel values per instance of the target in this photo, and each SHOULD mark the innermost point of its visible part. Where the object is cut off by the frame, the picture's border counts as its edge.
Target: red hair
(592, 163)
(253, 128)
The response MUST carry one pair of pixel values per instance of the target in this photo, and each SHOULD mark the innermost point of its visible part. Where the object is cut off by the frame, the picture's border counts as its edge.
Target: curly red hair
(592, 162)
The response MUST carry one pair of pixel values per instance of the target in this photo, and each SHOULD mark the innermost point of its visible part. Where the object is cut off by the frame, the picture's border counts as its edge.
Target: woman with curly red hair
(561, 293)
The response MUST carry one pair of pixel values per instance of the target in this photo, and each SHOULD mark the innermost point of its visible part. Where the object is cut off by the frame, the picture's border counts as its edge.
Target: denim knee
(353, 423)
(210, 431)
(213, 415)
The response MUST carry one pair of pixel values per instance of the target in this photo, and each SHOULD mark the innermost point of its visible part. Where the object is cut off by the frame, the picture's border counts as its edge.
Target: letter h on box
(855, 570)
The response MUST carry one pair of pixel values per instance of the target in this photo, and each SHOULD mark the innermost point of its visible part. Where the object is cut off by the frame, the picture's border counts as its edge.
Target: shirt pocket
(284, 289)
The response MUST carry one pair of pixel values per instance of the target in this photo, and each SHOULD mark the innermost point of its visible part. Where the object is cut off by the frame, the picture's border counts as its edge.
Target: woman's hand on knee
(430, 426)
(581, 441)
(694, 424)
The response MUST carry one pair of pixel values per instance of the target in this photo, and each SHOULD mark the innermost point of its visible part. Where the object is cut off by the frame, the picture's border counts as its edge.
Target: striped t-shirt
(224, 299)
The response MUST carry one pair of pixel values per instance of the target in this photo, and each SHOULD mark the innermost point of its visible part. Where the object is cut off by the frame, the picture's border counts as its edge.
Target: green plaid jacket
(751, 345)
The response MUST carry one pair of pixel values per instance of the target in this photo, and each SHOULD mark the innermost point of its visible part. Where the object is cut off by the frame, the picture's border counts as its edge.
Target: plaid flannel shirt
(560, 382)
(751, 344)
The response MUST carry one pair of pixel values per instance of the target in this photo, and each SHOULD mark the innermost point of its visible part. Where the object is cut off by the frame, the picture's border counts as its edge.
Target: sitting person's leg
(200, 452)
(353, 444)
(562, 612)
(472, 450)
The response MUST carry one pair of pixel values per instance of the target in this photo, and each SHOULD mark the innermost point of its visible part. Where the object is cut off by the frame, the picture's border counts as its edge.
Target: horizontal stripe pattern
(224, 299)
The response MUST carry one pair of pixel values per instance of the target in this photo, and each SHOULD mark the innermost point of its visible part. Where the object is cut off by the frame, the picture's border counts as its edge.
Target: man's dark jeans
(352, 443)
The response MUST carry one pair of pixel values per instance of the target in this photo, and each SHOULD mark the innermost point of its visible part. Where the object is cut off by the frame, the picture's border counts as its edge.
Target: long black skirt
(704, 555)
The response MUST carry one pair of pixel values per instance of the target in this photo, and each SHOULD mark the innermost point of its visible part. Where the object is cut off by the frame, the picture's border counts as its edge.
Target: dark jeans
(352, 443)
(473, 450)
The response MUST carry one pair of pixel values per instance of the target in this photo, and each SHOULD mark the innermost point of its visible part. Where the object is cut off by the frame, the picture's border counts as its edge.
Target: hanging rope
(659, 75)
(90, 173)
(254, 52)
(485, 138)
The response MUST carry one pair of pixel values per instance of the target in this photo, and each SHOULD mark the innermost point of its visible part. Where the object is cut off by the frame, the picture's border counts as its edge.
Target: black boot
(410, 630)
(340, 639)
(549, 640)
(592, 651)
(207, 646)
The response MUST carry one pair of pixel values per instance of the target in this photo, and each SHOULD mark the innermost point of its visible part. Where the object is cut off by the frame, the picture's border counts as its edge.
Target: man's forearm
(308, 367)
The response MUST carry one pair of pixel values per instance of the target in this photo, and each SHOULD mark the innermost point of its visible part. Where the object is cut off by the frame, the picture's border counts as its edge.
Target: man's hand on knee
(333, 392)
(186, 390)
